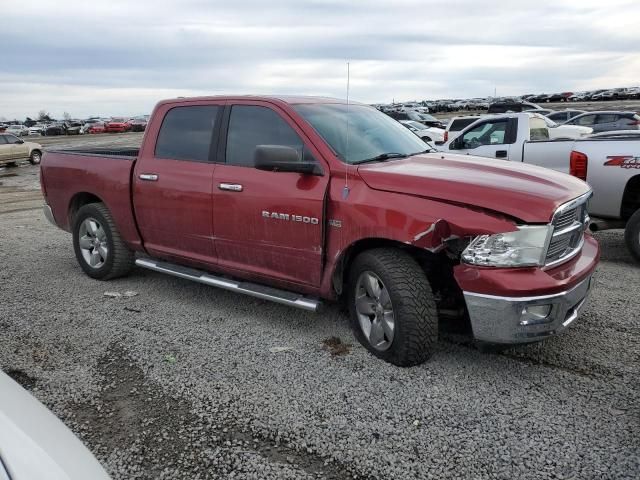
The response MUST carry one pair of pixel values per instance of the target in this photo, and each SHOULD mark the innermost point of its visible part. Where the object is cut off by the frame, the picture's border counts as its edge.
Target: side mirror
(456, 144)
(20, 141)
(279, 158)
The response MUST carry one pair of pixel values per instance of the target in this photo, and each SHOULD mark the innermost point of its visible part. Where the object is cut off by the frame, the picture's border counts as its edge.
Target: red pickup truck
(298, 199)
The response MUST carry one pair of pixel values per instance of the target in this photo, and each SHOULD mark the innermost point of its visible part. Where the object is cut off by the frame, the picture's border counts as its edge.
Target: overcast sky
(118, 57)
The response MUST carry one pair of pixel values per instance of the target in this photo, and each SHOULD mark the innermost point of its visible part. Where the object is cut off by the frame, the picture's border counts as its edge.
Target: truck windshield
(371, 135)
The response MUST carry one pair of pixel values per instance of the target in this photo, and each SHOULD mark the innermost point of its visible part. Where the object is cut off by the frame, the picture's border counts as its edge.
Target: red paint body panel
(420, 201)
(108, 179)
(525, 192)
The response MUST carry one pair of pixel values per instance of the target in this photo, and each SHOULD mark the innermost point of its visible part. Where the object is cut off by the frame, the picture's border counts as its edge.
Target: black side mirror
(280, 158)
(456, 144)
(20, 141)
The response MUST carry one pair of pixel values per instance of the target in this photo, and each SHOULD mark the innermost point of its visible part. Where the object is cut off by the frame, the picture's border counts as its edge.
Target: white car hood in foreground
(35, 445)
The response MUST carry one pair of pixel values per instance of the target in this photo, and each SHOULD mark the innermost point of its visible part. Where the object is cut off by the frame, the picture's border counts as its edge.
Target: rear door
(268, 224)
(585, 121)
(173, 184)
(606, 122)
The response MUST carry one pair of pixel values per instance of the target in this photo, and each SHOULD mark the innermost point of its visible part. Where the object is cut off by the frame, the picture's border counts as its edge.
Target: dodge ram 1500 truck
(299, 199)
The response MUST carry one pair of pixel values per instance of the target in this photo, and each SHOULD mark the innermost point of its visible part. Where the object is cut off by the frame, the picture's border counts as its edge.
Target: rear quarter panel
(612, 163)
(66, 175)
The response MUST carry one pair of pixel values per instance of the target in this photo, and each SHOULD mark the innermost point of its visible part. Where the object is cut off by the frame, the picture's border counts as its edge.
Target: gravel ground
(179, 382)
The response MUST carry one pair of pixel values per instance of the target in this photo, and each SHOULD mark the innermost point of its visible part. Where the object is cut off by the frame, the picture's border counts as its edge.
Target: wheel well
(438, 268)
(631, 198)
(78, 201)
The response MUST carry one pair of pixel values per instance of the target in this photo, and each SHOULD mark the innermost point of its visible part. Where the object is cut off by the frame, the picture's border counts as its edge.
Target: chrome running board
(254, 290)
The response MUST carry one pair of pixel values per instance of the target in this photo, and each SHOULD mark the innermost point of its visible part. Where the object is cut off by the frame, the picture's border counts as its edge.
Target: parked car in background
(457, 124)
(511, 106)
(19, 130)
(541, 111)
(14, 149)
(606, 121)
(88, 123)
(37, 129)
(564, 131)
(563, 115)
(73, 128)
(54, 129)
(429, 134)
(117, 125)
(578, 97)
(35, 444)
(97, 127)
(138, 124)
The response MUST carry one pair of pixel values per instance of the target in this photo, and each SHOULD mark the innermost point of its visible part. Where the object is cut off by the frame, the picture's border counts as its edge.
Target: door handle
(232, 187)
(149, 177)
(501, 154)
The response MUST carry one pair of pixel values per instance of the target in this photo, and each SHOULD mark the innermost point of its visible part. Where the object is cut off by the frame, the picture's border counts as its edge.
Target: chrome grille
(569, 223)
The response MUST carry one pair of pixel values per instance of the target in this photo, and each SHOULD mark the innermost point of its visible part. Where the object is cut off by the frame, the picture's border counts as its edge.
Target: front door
(173, 184)
(267, 223)
(486, 139)
(19, 150)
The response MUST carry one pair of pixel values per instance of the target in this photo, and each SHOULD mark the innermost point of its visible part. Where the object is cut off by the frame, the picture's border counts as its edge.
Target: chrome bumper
(48, 214)
(506, 319)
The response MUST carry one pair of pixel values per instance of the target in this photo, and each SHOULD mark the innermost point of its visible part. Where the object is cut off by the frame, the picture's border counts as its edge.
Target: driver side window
(488, 133)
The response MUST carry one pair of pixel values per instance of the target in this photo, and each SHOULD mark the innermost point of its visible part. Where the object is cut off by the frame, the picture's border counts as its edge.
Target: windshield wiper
(428, 150)
(382, 157)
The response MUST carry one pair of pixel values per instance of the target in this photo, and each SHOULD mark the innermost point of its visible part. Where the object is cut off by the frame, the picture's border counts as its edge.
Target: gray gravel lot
(178, 382)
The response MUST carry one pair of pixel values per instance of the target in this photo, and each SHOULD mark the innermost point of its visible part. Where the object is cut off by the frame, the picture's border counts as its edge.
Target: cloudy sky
(118, 57)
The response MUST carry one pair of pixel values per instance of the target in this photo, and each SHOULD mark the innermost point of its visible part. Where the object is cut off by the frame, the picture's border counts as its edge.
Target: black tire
(414, 308)
(632, 235)
(120, 258)
(36, 157)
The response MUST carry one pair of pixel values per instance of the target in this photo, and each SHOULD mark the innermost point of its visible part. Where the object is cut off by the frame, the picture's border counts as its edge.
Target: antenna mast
(345, 190)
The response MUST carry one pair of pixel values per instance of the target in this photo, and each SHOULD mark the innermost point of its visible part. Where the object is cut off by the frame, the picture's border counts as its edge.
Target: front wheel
(632, 235)
(392, 309)
(35, 157)
(99, 249)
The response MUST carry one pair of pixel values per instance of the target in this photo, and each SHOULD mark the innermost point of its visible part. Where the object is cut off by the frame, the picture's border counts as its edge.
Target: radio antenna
(345, 190)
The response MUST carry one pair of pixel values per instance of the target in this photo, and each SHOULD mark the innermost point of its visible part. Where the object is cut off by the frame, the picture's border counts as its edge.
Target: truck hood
(526, 192)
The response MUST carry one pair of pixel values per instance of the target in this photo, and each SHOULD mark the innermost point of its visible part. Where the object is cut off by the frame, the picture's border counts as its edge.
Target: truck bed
(100, 173)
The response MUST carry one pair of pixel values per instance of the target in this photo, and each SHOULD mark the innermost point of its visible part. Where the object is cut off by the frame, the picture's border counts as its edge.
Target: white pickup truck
(520, 137)
(609, 163)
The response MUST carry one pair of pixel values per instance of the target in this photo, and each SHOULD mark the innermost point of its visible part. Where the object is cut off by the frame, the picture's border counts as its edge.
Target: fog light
(534, 314)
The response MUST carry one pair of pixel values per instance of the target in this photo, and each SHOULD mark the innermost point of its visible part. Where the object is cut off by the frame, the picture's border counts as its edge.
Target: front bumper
(504, 319)
(497, 298)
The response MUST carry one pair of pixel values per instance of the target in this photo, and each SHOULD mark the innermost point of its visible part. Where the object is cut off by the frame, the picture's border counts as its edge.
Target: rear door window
(3, 140)
(586, 120)
(607, 118)
(186, 133)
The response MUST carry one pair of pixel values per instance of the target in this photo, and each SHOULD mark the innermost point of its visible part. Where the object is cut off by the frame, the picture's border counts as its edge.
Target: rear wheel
(36, 157)
(393, 313)
(99, 249)
(632, 235)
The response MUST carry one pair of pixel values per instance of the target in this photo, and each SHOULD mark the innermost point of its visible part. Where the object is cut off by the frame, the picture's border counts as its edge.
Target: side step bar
(251, 289)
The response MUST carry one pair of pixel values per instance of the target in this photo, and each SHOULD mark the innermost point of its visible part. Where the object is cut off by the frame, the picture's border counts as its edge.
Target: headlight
(525, 247)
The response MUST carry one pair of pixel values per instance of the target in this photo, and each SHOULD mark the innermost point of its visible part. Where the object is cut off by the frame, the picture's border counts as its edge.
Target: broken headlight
(526, 247)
